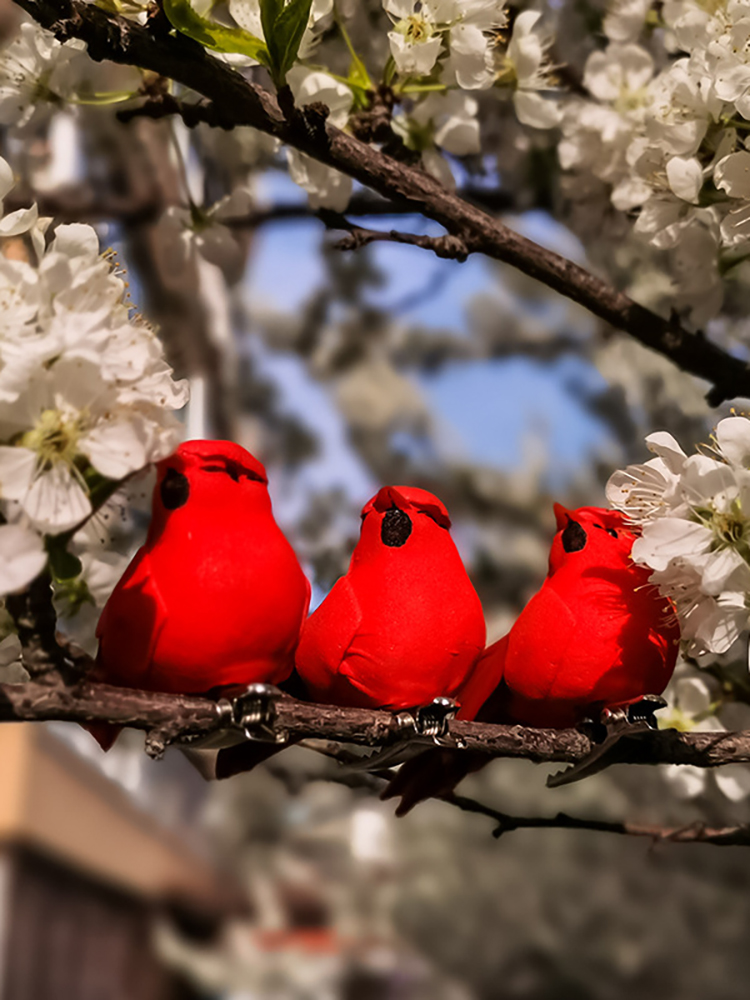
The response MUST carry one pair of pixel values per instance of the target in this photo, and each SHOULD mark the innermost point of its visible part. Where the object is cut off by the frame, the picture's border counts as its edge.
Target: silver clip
(433, 721)
(634, 719)
(428, 724)
(255, 713)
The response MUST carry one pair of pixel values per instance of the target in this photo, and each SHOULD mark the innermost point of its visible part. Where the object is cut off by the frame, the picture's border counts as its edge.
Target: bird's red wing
(326, 636)
(129, 627)
(483, 680)
(539, 643)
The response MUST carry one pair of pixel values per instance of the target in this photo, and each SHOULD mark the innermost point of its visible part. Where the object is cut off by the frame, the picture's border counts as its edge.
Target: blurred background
(125, 878)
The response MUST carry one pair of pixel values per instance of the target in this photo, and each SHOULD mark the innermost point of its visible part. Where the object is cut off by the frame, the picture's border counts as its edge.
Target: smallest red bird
(596, 635)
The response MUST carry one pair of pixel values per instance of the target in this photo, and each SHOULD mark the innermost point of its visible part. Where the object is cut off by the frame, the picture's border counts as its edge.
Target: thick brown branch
(236, 101)
(190, 717)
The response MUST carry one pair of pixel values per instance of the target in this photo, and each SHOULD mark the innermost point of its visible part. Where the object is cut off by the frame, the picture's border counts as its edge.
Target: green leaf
(359, 78)
(63, 565)
(214, 36)
(283, 27)
(290, 27)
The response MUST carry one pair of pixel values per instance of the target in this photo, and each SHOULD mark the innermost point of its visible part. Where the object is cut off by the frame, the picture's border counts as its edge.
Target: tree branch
(448, 247)
(694, 833)
(185, 718)
(231, 100)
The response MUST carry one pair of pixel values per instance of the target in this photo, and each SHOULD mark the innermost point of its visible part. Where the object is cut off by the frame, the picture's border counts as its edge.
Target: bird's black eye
(234, 470)
(610, 531)
(574, 537)
(175, 489)
(395, 528)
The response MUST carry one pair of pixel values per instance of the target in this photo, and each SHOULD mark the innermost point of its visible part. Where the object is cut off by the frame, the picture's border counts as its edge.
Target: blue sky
(488, 408)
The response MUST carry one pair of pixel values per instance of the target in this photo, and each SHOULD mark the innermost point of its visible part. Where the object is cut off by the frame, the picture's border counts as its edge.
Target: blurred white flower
(525, 67)
(326, 187)
(22, 556)
(695, 705)
(625, 20)
(185, 232)
(446, 121)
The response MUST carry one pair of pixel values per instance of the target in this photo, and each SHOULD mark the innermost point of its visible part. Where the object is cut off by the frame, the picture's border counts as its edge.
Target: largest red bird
(216, 595)
(404, 625)
(596, 635)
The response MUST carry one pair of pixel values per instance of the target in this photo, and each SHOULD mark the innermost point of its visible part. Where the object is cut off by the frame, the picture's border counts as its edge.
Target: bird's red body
(216, 596)
(404, 625)
(596, 635)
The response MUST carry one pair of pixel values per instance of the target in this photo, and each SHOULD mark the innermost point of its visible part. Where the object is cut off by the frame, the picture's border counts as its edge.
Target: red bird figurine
(595, 636)
(404, 625)
(216, 596)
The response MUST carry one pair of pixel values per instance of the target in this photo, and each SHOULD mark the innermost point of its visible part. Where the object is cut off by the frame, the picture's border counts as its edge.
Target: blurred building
(84, 870)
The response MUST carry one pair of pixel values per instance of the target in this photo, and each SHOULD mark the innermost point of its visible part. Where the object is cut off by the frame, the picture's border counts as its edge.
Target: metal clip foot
(632, 719)
(255, 713)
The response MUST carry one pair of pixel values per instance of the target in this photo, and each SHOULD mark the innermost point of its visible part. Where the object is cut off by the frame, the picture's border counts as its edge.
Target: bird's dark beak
(562, 516)
(389, 497)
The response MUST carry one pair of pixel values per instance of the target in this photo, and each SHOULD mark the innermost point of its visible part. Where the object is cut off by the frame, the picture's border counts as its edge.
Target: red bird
(216, 596)
(404, 625)
(596, 635)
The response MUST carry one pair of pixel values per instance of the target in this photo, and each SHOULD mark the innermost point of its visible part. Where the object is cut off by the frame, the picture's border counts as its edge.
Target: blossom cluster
(442, 54)
(671, 143)
(694, 518)
(86, 397)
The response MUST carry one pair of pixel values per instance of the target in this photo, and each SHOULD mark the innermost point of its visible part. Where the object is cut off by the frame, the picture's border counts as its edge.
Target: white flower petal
(17, 467)
(56, 501)
(116, 449)
(664, 445)
(22, 557)
(535, 110)
(733, 781)
(19, 221)
(733, 439)
(685, 177)
(685, 781)
(669, 537)
(6, 178)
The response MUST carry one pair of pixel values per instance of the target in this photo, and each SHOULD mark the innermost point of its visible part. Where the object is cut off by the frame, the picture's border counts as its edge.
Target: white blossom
(326, 187)
(441, 121)
(38, 74)
(694, 518)
(22, 556)
(525, 67)
(461, 30)
(185, 232)
(84, 389)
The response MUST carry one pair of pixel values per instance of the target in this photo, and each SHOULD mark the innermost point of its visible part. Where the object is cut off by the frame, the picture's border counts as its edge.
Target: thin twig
(294, 779)
(449, 247)
(228, 99)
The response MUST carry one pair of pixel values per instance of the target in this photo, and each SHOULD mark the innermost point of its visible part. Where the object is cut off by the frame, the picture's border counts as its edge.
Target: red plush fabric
(216, 596)
(597, 633)
(405, 624)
